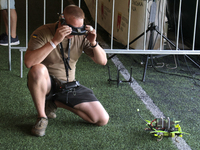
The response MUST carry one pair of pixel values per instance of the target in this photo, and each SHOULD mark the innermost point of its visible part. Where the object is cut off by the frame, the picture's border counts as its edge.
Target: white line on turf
(181, 144)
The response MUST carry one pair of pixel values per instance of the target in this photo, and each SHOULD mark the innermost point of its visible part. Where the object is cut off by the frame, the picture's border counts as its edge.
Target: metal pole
(195, 25)
(21, 60)
(9, 37)
(79, 3)
(26, 23)
(129, 24)
(24, 49)
(179, 18)
(44, 11)
(96, 15)
(61, 6)
(162, 22)
(112, 29)
(145, 24)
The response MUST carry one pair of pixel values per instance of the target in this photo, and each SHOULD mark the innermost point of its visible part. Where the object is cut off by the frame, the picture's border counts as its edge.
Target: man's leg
(92, 112)
(39, 85)
(13, 21)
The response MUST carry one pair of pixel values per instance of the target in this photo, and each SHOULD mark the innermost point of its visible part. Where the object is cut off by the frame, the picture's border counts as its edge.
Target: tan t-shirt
(53, 61)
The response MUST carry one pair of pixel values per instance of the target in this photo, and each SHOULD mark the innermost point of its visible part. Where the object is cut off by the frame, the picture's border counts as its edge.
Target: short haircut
(74, 11)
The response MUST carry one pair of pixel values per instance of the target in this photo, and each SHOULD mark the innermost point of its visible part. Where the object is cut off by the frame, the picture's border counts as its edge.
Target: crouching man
(52, 54)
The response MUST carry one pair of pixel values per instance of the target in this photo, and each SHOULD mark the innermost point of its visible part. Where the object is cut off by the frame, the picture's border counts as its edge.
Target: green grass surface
(176, 96)
(125, 129)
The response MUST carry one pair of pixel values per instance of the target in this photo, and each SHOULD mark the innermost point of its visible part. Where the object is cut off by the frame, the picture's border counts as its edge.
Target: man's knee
(38, 77)
(37, 72)
(103, 120)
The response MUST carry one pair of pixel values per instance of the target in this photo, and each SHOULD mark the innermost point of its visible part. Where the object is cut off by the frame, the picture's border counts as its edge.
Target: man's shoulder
(46, 28)
(41, 36)
(50, 26)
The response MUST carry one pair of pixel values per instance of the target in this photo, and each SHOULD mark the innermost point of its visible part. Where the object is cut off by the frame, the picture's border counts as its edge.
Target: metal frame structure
(161, 50)
(21, 49)
(144, 51)
(177, 51)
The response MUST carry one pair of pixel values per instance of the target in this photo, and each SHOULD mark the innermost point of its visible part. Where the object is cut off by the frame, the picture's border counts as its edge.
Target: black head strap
(66, 60)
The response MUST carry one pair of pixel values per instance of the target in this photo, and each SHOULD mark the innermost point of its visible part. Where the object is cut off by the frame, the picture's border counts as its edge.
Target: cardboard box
(121, 19)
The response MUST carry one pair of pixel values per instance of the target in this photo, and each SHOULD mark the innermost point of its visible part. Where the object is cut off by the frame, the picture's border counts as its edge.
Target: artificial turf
(176, 96)
(125, 129)
(174, 91)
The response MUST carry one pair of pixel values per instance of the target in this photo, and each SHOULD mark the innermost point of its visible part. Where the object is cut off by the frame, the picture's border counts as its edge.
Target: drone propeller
(177, 122)
(179, 132)
(158, 131)
(148, 122)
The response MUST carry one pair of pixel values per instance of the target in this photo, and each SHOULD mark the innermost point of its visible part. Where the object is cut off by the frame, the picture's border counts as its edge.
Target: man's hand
(91, 34)
(61, 33)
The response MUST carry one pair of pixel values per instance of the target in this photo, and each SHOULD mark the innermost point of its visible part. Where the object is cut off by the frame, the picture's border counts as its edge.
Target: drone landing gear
(117, 80)
(160, 139)
(176, 139)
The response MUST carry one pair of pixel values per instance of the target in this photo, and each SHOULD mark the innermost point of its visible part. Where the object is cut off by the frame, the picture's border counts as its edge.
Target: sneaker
(40, 127)
(3, 35)
(4, 40)
(50, 109)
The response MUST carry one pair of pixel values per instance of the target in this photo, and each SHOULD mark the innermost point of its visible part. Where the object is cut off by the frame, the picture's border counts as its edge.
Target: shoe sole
(14, 43)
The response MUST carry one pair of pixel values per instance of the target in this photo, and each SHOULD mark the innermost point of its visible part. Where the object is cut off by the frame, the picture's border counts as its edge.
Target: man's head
(74, 16)
(74, 11)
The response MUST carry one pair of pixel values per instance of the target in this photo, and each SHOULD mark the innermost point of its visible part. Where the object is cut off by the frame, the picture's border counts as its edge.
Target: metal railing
(127, 50)
(145, 50)
(21, 49)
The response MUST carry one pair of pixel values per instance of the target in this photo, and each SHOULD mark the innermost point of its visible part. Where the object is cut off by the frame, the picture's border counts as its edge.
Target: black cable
(176, 74)
(192, 75)
(182, 39)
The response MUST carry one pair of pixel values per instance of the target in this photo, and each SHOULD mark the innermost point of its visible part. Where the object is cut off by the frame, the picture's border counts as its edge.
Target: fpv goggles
(75, 30)
(78, 30)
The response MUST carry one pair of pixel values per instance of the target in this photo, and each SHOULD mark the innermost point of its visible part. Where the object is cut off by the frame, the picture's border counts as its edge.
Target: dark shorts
(76, 95)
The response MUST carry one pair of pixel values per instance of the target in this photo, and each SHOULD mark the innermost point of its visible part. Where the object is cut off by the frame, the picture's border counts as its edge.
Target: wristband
(52, 44)
(94, 45)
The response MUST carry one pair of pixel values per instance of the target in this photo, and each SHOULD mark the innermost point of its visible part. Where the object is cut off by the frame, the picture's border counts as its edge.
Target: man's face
(74, 22)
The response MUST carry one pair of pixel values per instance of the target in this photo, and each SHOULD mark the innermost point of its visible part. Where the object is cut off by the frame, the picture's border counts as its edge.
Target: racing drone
(161, 127)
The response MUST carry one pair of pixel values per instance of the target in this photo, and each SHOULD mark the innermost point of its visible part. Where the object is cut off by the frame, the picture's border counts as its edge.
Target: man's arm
(33, 57)
(99, 54)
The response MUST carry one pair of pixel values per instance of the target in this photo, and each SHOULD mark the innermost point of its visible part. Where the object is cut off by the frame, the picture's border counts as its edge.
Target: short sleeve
(88, 50)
